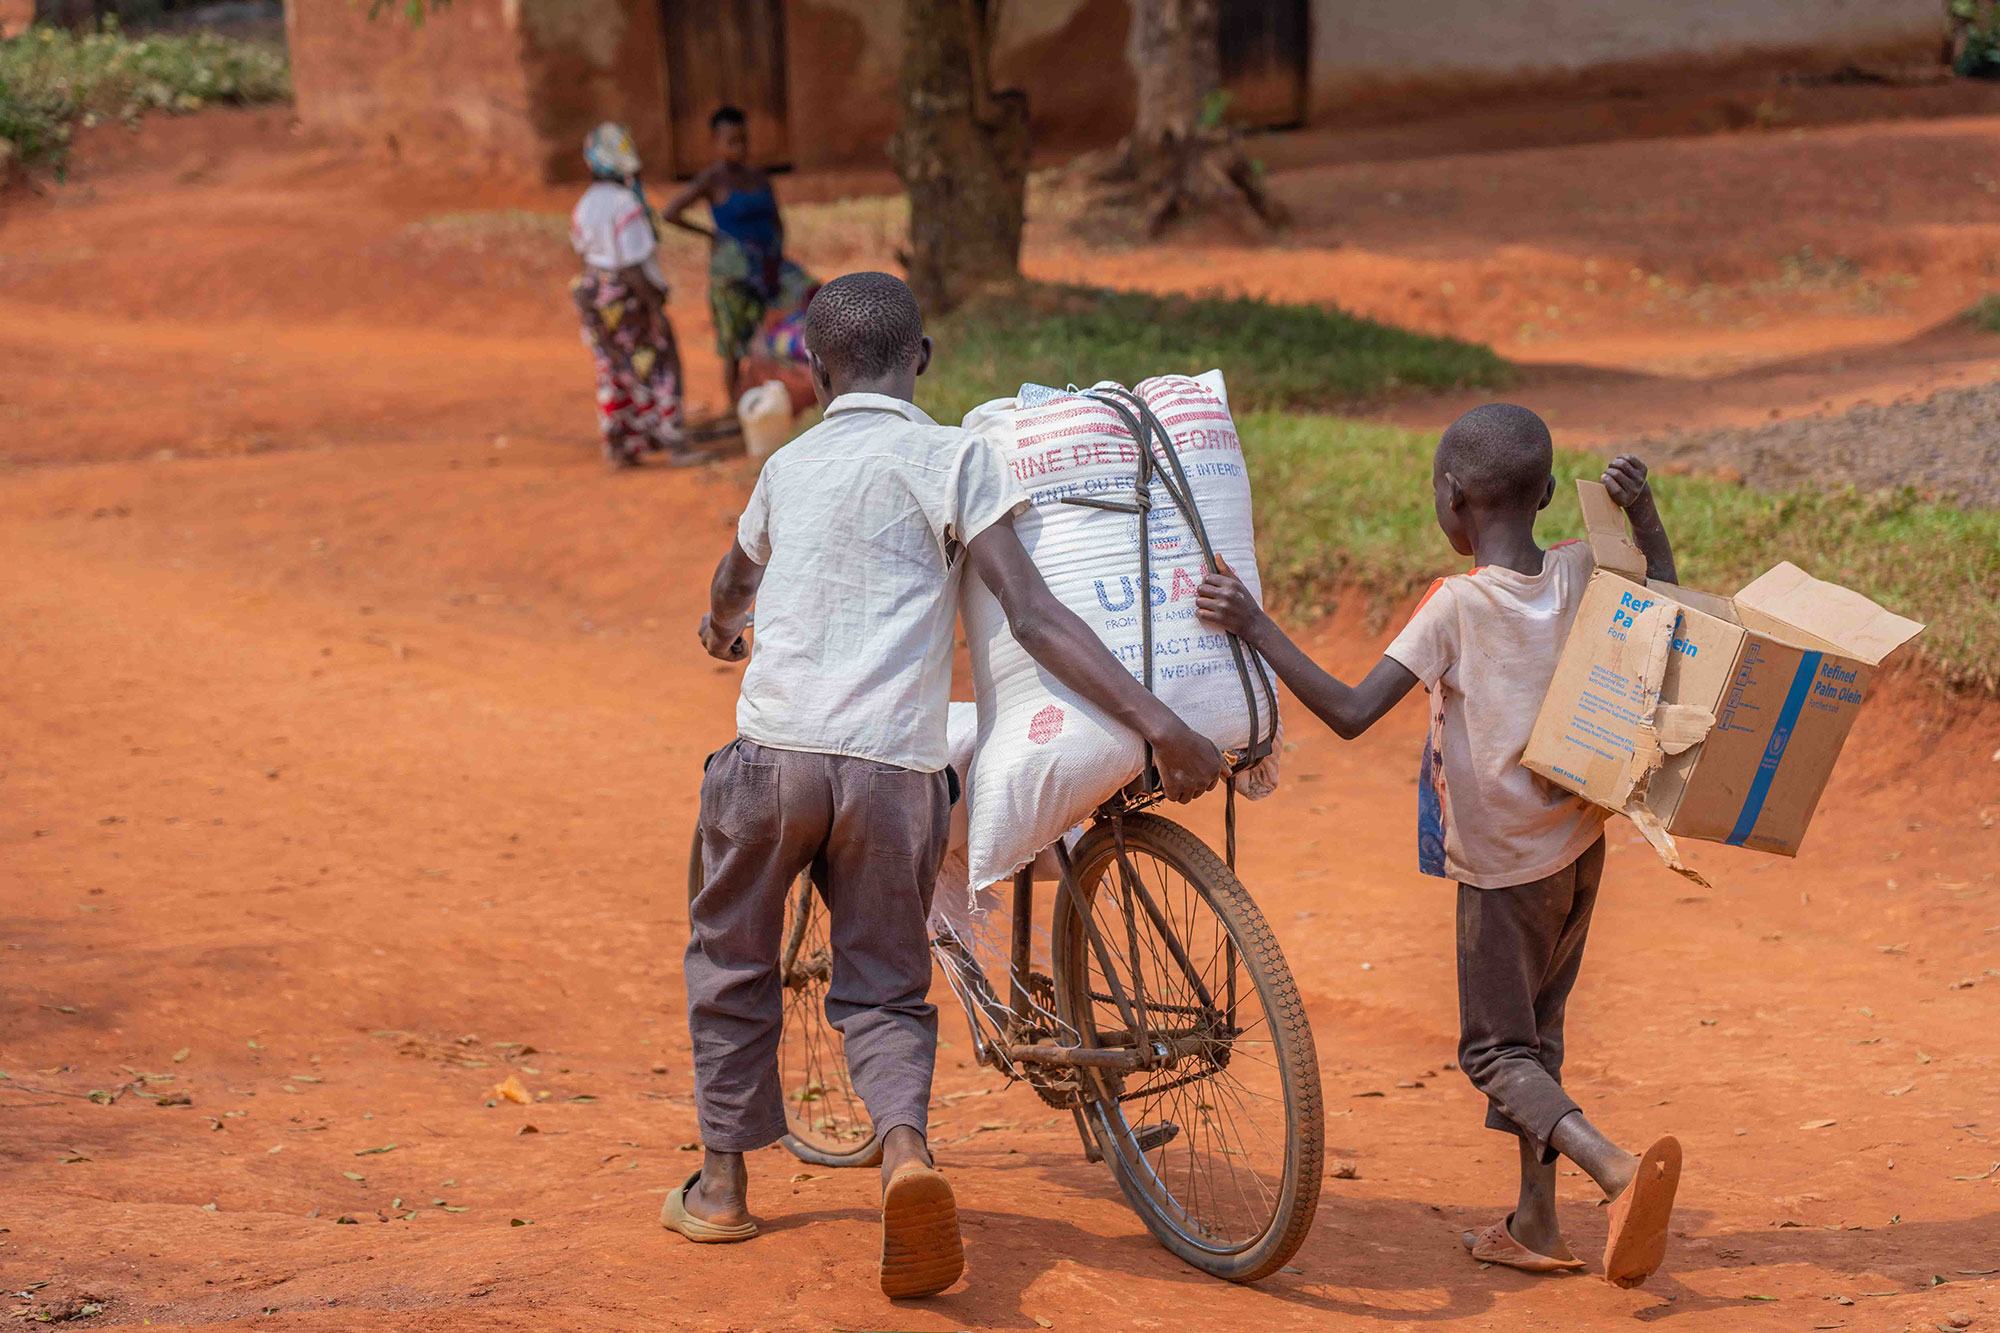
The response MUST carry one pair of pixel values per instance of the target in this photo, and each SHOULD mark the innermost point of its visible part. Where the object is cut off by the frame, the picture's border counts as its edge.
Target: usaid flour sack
(1043, 759)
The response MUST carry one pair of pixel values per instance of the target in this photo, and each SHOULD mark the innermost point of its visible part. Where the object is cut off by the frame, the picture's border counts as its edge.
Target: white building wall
(1360, 45)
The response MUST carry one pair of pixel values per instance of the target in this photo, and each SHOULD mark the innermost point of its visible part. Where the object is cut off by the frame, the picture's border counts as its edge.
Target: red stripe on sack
(1075, 409)
(1037, 420)
(1094, 428)
(1078, 408)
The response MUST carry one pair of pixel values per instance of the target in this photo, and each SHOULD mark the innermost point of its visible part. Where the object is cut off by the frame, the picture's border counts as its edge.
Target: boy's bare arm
(1223, 602)
(1625, 478)
(731, 594)
(1060, 642)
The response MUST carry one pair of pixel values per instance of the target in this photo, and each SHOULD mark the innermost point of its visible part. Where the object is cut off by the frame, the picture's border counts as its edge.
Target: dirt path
(356, 758)
(328, 777)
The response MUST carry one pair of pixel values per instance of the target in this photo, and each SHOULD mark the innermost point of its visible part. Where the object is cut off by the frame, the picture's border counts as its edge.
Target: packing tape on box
(1666, 729)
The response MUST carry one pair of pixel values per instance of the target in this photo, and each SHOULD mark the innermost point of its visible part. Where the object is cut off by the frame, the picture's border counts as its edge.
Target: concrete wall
(842, 79)
(516, 83)
(1365, 49)
(512, 85)
(590, 61)
(454, 88)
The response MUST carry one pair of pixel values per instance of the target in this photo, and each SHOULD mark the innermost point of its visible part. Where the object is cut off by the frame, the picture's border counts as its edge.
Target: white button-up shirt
(860, 524)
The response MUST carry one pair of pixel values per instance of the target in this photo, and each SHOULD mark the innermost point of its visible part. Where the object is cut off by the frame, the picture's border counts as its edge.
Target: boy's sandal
(922, 1253)
(674, 1216)
(1639, 1216)
(1496, 1245)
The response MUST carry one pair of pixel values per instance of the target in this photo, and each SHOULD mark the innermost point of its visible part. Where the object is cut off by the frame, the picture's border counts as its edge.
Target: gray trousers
(873, 835)
(1519, 950)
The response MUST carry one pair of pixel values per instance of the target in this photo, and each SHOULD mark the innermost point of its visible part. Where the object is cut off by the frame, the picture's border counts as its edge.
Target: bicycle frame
(1145, 1043)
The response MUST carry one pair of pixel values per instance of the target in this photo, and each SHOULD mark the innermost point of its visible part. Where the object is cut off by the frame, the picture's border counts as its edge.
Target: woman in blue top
(748, 274)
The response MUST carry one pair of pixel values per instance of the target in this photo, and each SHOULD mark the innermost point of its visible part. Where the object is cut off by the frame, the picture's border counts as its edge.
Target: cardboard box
(1700, 716)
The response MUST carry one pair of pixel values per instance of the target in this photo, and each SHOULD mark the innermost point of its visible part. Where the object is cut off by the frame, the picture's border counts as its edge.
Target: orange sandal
(1639, 1217)
(922, 1253)
(1496, 1245)
(674, 1216)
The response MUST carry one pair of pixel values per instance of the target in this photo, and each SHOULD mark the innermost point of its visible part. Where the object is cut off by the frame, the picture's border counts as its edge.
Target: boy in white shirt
(851, 548)
(1527, 854)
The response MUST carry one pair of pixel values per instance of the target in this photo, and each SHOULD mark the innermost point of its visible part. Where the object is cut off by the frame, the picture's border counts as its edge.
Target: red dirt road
(352, 752)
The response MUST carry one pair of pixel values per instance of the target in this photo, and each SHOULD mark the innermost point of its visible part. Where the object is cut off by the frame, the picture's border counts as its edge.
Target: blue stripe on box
(1774, 749)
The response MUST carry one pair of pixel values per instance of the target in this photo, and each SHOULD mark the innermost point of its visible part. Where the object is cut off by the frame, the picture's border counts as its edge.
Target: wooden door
(725, 51)
(1264, 60)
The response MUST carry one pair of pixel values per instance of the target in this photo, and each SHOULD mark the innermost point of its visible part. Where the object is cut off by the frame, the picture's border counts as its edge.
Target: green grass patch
(1300, 357)
(52, 80)
(1986, 314)
(1345, 504)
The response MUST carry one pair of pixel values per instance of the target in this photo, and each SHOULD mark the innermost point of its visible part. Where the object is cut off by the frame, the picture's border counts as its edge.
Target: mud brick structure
(516, 83)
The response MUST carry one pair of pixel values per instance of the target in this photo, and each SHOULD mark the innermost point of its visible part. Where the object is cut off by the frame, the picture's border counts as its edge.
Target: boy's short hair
(727, 114)
(1500, 453)
(864, 324)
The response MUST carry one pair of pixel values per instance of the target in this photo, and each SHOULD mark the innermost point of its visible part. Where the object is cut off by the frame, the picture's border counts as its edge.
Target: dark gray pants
(1519, 950)
(874, 835)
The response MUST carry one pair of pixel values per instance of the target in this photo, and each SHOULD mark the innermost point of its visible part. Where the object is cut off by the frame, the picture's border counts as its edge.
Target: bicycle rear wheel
(826, 1122)
(1218, 1148)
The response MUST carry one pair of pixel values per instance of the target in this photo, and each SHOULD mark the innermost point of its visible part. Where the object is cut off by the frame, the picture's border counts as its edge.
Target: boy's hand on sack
(1625, 478)
(1188, 761)
(1222, 602)
(734, 648)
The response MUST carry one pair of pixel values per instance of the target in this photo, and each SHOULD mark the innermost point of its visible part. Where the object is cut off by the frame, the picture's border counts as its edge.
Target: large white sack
(952, 905)
(958, 907)
(1043, 758)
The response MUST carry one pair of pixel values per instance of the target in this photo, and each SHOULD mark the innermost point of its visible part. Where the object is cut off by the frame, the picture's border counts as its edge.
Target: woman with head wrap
(621, 297)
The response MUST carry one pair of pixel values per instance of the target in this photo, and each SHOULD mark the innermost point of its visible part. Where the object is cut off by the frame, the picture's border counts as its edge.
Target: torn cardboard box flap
(1701, 716)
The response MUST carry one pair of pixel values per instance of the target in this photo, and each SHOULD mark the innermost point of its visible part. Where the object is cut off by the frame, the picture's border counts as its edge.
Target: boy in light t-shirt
(1527, 854)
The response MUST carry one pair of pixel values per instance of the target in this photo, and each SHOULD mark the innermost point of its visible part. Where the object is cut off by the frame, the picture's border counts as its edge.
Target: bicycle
(1169, 1025)
(1183, 1053)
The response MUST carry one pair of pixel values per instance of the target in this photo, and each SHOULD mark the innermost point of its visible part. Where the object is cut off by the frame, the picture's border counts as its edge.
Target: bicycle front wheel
(1218, 1145)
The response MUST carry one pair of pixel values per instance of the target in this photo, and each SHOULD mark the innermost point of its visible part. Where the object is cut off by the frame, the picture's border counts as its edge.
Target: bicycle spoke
(1220, 1103)
(822, 1110)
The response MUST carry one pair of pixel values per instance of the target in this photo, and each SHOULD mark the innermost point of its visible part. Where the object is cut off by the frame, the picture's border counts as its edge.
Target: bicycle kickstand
(1090, 1152)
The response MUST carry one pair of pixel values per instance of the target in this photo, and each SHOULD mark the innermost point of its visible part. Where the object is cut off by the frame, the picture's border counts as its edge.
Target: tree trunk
(1174, 49)
(1180, 155)
(962, 154)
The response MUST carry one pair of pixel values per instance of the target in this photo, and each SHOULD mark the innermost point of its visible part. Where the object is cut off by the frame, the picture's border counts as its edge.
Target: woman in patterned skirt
(621, 297)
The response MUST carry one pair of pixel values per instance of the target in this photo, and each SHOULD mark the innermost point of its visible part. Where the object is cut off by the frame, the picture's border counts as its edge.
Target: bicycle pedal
(1156, 1136)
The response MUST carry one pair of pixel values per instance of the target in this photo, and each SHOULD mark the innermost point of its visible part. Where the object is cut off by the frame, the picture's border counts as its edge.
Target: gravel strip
(1947, 447)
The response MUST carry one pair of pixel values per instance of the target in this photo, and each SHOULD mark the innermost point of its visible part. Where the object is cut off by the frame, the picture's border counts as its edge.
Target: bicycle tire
(1294, 1064)
(808, 1040)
